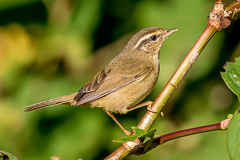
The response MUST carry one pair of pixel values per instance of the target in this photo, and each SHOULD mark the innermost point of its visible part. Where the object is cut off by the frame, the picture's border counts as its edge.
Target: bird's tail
(52, 102)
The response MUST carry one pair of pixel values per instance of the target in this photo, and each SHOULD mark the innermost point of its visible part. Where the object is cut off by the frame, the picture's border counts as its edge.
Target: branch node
(218, 17)
(224, 124)
(172, 84)
(194, 57)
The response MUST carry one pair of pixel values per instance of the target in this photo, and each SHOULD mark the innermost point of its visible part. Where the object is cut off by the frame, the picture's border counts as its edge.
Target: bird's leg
(119, 124)
(147, 103)
(125, 110)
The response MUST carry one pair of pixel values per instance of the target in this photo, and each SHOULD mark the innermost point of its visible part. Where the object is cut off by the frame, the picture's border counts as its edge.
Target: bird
(125, 81)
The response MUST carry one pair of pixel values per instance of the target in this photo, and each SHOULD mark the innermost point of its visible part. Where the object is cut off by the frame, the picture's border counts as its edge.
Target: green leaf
(234, 136)
(7, 156)
(139, 133)
(232, 76)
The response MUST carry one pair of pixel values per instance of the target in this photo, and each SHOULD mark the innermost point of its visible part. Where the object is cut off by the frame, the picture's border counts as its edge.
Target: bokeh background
(51, 48)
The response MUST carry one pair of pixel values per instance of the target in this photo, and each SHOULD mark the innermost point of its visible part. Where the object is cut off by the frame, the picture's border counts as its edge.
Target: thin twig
(158, 140)
(232, 9)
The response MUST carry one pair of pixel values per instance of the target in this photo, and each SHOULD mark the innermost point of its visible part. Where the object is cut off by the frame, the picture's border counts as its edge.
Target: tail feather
(52, 102)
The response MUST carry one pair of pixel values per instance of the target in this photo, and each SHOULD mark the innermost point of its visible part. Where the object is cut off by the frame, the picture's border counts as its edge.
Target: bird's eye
(153, 38)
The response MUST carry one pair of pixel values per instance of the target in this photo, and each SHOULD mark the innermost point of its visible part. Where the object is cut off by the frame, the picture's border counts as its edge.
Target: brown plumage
(125, 81)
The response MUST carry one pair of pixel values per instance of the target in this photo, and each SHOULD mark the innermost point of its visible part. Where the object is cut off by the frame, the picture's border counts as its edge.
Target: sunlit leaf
(6, 155)
(233, 136)
(139, 133)
(232, 76)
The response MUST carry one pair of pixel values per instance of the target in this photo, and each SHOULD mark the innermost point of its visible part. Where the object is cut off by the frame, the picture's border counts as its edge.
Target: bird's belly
(126, 97)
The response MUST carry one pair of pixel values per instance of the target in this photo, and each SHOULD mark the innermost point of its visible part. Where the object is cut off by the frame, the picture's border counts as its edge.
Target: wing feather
(108, 81)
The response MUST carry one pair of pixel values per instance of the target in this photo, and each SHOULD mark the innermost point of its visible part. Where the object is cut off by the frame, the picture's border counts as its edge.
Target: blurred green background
(51, 48)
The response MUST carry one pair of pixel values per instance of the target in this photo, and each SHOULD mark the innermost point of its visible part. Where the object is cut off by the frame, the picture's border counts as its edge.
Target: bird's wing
(108, 81)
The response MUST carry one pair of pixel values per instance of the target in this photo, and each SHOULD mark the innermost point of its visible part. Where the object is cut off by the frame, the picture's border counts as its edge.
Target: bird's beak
(170, 31)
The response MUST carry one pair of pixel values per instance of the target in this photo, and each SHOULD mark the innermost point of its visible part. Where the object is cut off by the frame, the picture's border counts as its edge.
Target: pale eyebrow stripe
(140, 40)
(144, 38)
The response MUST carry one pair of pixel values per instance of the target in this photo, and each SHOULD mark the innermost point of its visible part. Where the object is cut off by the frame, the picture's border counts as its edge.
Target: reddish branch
(158, 140)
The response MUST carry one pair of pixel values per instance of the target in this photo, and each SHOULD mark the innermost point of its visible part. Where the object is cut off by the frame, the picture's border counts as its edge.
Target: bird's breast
(128, 96)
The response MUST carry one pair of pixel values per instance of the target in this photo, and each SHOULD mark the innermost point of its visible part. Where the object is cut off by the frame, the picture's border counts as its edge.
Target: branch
(232, 9)
(158, 140)
(218, 19)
